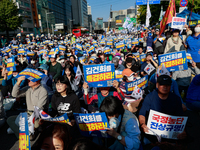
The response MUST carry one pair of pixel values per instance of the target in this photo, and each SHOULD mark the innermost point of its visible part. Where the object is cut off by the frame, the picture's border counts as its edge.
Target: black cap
(164, 80)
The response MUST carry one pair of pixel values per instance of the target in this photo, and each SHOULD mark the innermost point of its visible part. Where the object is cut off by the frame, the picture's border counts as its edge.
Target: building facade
(80, 13)
(99, 23)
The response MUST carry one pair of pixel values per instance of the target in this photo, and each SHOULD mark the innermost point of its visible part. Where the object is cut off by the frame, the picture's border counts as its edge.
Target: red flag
(169, 14)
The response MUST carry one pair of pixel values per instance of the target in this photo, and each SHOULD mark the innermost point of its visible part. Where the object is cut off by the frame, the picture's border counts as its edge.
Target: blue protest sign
(31, 74)
(11, 64)
(92, 124)
(24, 140)
(176, 61)
(62, 119)
(101, 75)
(118, 75)
(141, 83)
(144, 2)
(142, 58)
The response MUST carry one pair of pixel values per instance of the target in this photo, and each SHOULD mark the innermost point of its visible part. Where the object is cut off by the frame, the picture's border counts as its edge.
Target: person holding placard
(161, 100)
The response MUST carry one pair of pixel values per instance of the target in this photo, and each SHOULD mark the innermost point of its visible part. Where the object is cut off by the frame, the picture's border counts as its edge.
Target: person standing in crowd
(158, 46)
(193, 43)
(55, 68)
(14, 41)
(193, 95)
(175, 41)
(3, 41)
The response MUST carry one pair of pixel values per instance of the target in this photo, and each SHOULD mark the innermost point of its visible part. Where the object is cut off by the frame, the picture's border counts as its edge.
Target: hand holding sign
(20, 79)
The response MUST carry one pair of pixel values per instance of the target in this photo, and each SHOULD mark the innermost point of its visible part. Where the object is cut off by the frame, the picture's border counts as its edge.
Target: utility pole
(109, 18)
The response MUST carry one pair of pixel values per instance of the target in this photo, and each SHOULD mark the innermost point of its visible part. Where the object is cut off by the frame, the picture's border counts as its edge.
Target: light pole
(70, 24)
(47, 20)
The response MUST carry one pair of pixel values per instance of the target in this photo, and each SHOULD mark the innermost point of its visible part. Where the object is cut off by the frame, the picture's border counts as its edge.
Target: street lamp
(70, 24)
(47, 20)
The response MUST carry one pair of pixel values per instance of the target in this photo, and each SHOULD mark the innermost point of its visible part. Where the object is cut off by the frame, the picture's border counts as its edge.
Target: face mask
(114, 123)
(14, 75)
(32, 61)
(197, 29)
(62, 61)
(154, 58)
(130, 78)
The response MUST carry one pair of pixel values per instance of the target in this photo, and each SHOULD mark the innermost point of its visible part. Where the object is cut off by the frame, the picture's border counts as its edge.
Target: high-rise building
(53, 12)
(99, 23)
(89, 18)
(80, 13)
(25, 11)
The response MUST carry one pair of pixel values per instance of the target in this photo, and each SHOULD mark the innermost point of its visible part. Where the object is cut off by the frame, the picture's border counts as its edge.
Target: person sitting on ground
(124, 126)
(36, 95)
(161, 100)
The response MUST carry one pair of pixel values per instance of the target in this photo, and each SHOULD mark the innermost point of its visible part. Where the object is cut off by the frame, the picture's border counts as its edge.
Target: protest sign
(100, 75)
(135, 42)
(119, 45)
(142, 58)
(52, 53)
(118, 75)
(21, 51)
(141, 83)
(136, 55)
(92, 124)
(109, 43)
(30, 54)
(107, 50)
(62, 119)
(62, 48)
(176, 61)
(91, 49)
(11, 64)
(24, 140)
(31, 74)
(189, 57)
(178, 23)
(164, 125)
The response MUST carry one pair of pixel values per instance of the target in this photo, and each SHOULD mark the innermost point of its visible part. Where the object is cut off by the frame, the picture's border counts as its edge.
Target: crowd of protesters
(58, 92)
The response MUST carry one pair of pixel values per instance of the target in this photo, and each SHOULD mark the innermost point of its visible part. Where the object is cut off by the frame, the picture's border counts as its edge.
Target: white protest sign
(166, 126)
(178, 23)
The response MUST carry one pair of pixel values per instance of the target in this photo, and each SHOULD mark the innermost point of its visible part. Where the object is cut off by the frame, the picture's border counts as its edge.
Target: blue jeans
(195, 106)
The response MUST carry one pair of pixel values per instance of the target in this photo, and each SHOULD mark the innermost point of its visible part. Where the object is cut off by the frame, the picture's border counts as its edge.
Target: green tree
(9, 17)
(155, 12)
(196, 8)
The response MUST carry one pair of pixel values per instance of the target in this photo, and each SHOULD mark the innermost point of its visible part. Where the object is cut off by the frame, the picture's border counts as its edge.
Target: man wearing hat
(161, 100)
(115, 61)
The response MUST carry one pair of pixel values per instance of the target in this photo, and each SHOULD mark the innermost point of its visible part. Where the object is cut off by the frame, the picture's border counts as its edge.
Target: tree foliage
(9, 16)
(156, 8)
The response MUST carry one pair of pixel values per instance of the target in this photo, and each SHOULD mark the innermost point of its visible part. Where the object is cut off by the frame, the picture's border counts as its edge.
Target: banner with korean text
(31, 74)
(24, 140)
(141, 83)
(101, 75)
(142, 58)
(11, 64)
(62, 119)
(189, 57)
(176, 61)
(92, 124)
(166, 126)
(118, 75)
(178, 23)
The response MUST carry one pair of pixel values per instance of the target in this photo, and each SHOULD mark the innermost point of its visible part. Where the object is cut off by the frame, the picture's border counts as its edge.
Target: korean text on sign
(99, 75)
(24, 141)
(62, 119)
(92, 124)
(176, 61)
(141, 83)
(164, 125)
